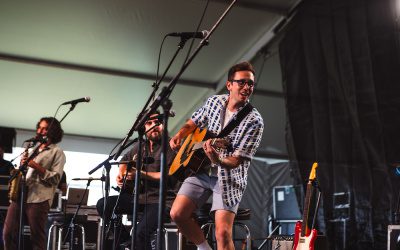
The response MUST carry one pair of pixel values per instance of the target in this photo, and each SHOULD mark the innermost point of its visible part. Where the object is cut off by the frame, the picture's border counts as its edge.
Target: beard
(153, 136)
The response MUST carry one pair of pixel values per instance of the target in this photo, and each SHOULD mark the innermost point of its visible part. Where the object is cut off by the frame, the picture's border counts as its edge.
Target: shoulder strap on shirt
(235, 122)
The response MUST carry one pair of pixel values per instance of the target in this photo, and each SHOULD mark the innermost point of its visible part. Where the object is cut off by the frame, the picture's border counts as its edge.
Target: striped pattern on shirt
(245, 139)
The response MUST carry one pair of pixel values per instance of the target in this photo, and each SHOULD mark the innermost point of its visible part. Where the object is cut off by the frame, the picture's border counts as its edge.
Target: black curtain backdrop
(341, 72)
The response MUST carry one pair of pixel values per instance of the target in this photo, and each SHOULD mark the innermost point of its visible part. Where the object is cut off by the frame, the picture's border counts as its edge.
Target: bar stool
(55, 220)
(242, 214)
(57, 228)
(171, 227)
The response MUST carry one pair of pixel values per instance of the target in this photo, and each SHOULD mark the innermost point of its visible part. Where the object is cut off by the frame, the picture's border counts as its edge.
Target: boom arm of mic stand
(166, 91)
(144, 115)
(70, 109)
(111, 156)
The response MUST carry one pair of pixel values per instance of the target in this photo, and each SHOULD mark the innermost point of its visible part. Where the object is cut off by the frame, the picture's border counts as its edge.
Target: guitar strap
(236, 121)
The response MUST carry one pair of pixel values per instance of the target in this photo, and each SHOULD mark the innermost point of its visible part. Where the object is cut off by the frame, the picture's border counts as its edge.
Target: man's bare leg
(181, 212)
(223, 229)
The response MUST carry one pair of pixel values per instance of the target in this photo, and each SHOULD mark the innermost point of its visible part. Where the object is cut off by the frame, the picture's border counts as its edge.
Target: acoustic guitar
(191, 154)
(304, 238)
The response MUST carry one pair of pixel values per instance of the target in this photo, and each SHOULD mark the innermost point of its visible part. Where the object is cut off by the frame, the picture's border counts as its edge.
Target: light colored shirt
(245, 139)
(42, 188)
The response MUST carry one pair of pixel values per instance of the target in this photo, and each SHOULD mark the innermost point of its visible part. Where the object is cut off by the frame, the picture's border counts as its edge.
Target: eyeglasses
(242, 82)
(154, 122)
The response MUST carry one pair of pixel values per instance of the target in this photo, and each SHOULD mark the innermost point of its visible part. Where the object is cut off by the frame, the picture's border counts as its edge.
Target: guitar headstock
(313, 172)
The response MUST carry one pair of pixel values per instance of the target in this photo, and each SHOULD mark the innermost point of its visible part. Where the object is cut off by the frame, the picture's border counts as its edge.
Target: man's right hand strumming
(175, 142)
(121, 174)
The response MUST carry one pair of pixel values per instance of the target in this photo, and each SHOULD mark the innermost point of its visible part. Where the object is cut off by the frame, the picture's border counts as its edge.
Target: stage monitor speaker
(282, 245)
(285, 242)
(281, 242)
(7, 138)
(393, 239)
(285, 202)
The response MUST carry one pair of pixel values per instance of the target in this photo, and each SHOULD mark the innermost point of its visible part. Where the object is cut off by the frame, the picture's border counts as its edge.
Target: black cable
(265, 56)
(197, 29)
(159, 59)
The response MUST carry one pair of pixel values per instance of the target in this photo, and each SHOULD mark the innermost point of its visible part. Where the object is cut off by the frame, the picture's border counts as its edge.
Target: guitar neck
(198, 145)
(304, 224)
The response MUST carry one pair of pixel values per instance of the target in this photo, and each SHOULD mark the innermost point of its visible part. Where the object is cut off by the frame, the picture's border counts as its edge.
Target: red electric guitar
(304, 238)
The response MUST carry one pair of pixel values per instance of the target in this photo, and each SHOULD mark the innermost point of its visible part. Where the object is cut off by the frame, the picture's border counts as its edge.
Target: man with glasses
(227, 178)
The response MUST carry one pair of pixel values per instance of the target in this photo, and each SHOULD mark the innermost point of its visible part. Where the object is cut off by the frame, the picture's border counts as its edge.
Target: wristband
(220, 160)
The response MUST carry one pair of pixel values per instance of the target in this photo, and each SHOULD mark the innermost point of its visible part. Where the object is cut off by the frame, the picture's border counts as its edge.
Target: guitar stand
(269, 237)
(316, 185)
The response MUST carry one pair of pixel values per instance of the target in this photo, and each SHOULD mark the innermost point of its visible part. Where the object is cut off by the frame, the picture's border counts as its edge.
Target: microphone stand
(162, 98)
(136, 127)
(23, 169)
(107, 166)
(166, 91)
(70, 109)
(129, 168)
(156, 86)
(71, 226)
(136, 188)
(113, 215)
(163, 173)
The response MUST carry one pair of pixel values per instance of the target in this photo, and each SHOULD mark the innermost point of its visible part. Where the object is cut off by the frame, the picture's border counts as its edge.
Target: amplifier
(282, 242)
(285, 202)
(393, 238)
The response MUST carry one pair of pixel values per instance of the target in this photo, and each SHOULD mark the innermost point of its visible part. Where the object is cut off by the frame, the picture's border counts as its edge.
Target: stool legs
(209, 226)
(51, 236)
(248, 235)
(60, 233)
(172, 230)
(83, 235)
(59, 238)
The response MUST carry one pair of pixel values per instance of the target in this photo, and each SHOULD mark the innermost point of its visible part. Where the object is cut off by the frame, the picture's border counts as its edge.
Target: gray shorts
(200, 187)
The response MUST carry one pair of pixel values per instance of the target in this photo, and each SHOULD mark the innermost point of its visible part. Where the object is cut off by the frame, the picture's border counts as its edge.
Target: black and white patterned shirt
(245, 139)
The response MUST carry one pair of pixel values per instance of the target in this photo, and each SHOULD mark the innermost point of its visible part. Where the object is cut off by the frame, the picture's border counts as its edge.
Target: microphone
(187, 35)
(88, 179)
(37, 138)
(146, 160)
(160, 117)
(73, 102)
